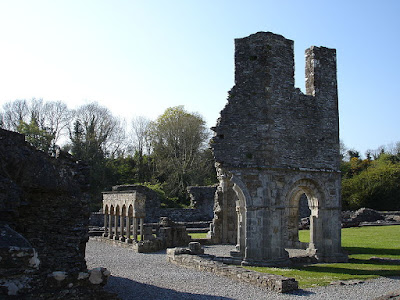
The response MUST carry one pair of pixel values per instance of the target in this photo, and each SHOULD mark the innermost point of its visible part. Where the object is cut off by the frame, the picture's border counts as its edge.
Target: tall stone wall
(44, 219)
(273, 144)
(269, 123)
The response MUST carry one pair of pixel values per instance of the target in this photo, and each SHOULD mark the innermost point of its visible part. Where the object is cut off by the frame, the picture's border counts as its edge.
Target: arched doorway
(309, 190)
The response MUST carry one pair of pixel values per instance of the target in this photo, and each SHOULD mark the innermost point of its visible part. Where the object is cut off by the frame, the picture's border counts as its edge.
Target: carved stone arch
(244, 199)
(117, 210)
(123, 211)
(311, 188)
(130, 210)
(112, 210)
(315, 198)
(105, 209)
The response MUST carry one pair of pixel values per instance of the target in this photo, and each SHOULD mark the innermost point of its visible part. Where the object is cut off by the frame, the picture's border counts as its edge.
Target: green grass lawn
(361, 243)
(198, 235)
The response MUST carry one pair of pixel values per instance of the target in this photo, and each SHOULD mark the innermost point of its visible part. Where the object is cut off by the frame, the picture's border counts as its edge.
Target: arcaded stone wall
(202, 198)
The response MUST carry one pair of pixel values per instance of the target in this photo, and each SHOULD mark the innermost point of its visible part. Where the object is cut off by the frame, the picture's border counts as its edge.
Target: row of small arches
(118, 211)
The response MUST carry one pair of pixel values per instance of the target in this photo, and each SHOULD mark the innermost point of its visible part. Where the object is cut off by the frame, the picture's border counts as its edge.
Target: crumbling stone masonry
(202, 199)
(44, 225)
(273, 144)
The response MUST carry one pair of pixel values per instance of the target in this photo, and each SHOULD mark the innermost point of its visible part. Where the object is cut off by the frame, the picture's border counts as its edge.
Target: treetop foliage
(167, 154)
(373, 182)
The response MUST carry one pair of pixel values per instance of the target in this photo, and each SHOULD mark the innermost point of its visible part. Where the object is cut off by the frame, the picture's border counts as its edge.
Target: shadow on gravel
(128, 289)
(300, 292)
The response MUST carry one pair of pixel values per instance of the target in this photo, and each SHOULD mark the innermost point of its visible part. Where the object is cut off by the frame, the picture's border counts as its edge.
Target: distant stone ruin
(272, 145)
(43, 225)
(124, 210)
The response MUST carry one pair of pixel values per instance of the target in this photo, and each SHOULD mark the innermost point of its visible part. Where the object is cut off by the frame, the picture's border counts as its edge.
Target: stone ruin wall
(269, 123)
(44, 223)
(272, 144)
(201, 198)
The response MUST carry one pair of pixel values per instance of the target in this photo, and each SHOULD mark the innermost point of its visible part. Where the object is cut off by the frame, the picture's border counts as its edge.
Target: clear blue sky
(139, 57)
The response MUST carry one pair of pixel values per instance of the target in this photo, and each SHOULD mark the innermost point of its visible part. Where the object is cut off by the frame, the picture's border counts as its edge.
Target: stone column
(110, 232)
(315, 235)
(224, 181)
(135, 223)
(128, 230)
(122, 226)
(141, 229)
(105, 234)
(116, 237)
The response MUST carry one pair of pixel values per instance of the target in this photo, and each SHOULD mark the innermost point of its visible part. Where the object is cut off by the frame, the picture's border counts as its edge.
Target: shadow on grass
(351, 271)
(129, 289)
(372, 251)
(372, 262)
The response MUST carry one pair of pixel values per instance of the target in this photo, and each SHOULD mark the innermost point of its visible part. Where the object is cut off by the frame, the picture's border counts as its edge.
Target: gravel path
(149, 276)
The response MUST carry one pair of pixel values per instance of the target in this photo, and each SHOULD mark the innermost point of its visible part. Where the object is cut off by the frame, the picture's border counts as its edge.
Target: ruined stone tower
(273, 144)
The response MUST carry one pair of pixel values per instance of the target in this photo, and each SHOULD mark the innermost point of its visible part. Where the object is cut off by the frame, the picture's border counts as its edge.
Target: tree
(178, 140)
(50, 117)
(140, 137)
(97, 132)
(376, 186)
(14, 113)
(38, 138)
(95, 136)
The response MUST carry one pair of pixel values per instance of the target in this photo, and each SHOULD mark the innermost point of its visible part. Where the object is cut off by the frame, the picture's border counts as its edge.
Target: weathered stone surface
(168, 234)
(363, 215)
(184, 257)
(202, 207)
(273, 144)
(43, 222)
(202, 199)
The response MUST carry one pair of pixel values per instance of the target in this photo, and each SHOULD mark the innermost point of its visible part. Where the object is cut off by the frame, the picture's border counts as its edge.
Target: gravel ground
(149, 276)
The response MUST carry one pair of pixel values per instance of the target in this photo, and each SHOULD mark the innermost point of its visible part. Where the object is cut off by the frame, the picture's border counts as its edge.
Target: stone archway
(311, 190)
(241, 225)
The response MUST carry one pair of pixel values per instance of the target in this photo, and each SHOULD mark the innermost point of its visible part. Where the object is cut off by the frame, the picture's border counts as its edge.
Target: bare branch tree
(140, 134)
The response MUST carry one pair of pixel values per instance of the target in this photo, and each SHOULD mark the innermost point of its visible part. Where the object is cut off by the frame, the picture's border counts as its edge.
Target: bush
(376, 187)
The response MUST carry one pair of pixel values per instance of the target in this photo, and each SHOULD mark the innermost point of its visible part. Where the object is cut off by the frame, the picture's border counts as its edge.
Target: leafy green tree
(376, 186)
(179, 140)
(38, 138)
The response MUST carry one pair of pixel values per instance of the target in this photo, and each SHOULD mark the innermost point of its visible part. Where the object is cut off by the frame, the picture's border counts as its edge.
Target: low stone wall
(139, 247)
(207, 263)
(184, 214)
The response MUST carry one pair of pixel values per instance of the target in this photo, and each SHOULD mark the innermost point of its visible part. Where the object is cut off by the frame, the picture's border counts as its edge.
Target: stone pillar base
(280, 262)
(116, 238)
(235, 253)
(122, 239)
(128, 241)
(104, 235)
